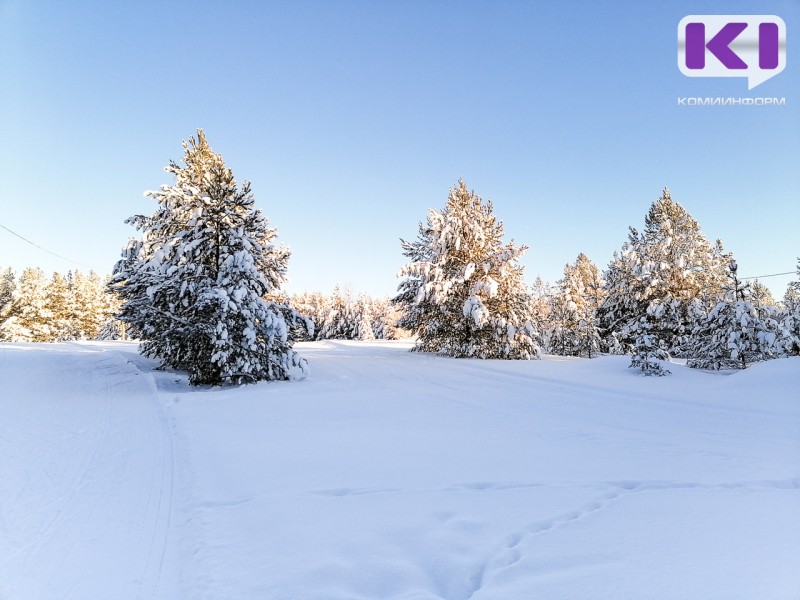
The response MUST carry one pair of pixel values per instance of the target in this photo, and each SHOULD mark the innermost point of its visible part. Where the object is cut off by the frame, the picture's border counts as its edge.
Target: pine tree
(733, 335)
(462, 294)
(574, 310)
(540, 303)
(762, 300)
(60, 303)
(27, 315)
(194, 286)
(671, 264)
(384, 320)
(8, 289)
(648, 349)
(790, 319)
(315, 307)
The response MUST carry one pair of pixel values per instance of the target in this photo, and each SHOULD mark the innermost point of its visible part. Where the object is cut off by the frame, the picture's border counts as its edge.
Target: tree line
(61, 308)
(201, 287)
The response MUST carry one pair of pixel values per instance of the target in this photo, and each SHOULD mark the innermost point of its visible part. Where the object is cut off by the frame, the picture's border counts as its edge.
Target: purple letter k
(718, 45)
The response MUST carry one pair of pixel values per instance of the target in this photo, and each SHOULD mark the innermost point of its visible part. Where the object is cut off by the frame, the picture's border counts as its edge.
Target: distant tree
(462, 294)
(194, 286)
(573, 313)
(348, 318)
(27, 315)
(8, 289)
(315, 306)
(384, 320)
(762, 299)
(790, 317)
(540, 306)
(61, 304)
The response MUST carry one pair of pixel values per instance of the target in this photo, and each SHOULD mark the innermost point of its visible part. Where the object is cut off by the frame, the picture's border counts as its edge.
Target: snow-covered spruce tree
(194, 286)
(462, 294)
(733, 335)
(670, 263)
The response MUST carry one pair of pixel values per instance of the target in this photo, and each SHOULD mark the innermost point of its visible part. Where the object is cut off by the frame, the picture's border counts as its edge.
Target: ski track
(99, 476)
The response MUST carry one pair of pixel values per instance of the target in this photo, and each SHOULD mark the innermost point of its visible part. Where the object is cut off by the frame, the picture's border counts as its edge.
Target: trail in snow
(86, 479)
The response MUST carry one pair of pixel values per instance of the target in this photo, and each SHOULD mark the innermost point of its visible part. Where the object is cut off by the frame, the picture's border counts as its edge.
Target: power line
(765, 276)
(24, 239)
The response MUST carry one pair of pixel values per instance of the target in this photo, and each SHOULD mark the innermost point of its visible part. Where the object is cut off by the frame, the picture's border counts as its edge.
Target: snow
(390, 474)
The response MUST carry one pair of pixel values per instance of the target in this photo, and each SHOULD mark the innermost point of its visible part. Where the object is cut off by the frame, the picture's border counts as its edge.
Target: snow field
(390, 474)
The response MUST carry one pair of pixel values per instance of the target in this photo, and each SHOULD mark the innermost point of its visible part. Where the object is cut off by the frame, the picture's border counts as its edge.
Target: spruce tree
(462, 294)
(194, 287)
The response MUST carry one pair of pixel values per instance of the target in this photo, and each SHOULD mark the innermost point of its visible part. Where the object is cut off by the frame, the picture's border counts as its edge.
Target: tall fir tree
(194, 286)
(462, 294)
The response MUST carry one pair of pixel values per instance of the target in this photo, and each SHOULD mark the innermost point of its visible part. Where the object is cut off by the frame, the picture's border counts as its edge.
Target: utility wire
(24, 239)
(765, 276)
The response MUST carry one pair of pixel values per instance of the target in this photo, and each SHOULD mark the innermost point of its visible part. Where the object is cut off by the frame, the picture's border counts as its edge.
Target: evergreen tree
(60, 303)
(540, 303)
(27, 315)
(8, 289)
(733, 335)
(648, 349)
(790, 319)
(194, 286)
(762, 300)
(671, 264)
(462, 294)
(315, 306)
(574, 310)
(384, 320)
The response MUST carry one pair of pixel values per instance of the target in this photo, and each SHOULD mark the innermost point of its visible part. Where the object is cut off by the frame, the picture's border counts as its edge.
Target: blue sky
(351, 119)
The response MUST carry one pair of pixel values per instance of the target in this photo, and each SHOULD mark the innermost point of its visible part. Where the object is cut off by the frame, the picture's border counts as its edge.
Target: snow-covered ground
(389, 474)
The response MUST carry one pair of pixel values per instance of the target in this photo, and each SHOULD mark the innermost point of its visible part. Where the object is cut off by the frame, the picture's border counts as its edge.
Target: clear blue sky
(351, 119)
